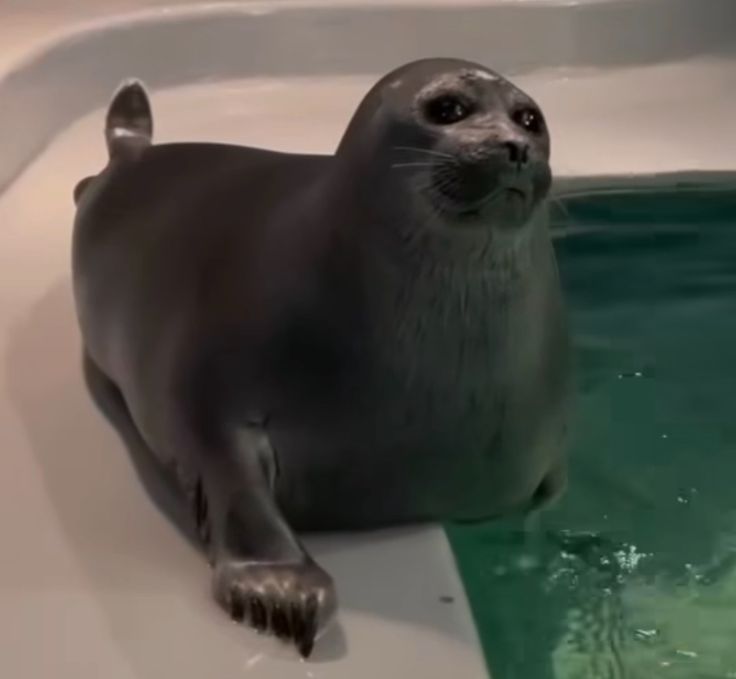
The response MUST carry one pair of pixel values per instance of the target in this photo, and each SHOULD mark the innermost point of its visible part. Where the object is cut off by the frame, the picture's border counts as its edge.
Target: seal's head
(459, 141)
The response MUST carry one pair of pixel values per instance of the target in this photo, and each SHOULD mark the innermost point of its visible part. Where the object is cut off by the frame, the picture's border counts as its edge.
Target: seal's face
(470, 144)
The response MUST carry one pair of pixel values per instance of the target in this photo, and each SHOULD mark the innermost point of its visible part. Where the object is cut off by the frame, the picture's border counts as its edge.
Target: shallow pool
(636, 573)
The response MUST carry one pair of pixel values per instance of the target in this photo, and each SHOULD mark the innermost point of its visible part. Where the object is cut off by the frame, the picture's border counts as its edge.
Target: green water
(634, 574)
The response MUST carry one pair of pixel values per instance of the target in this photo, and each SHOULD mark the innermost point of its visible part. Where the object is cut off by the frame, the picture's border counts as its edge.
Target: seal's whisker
(416, 164)
(425, 181)
(427, 152)
(446, 171)
(445, 181)
(444, 176)
(440, 178)
(440, 183)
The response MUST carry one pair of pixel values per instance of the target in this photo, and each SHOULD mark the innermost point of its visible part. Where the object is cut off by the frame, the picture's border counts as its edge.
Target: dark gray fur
(332, 342)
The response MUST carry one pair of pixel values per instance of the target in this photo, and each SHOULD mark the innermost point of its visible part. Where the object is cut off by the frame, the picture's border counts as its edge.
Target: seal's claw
(260, 616)
(280, 622)
(297, 622)
(237, 607)
(291, 601)
(309, 632)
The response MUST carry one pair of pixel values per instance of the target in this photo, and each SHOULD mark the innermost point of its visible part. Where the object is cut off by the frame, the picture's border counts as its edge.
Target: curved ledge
(632, 195)
(568, 188)
(169, 47)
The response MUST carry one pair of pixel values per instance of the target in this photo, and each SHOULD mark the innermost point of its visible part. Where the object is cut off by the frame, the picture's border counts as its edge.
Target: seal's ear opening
(129, 122)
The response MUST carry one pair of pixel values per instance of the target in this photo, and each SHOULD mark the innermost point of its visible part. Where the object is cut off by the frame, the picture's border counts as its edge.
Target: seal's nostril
(518, 152)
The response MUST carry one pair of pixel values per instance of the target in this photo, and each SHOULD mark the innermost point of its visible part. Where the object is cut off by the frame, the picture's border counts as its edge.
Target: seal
(333, 342)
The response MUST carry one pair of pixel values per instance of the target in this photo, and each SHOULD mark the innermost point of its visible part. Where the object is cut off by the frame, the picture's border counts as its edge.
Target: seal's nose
(518, 153)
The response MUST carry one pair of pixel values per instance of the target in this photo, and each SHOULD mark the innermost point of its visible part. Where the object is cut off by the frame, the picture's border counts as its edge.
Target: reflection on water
(634, 574)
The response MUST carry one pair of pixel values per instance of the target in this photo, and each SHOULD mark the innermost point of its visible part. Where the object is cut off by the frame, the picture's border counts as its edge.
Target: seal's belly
(431, 458)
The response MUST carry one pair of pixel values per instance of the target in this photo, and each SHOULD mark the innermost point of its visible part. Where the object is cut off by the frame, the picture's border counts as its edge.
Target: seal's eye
(530, 119)
(447, 110)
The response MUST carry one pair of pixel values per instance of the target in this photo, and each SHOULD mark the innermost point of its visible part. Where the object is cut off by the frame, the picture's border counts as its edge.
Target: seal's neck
(418, 250)
(392, 221)
(426, 285)
(443, 313)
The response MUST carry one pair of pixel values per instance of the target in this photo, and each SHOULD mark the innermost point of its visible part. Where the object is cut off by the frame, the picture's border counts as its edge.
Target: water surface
(635, 573)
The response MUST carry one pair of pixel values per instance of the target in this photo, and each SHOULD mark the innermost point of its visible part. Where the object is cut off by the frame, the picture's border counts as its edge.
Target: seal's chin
(507, 206)
(481, 194)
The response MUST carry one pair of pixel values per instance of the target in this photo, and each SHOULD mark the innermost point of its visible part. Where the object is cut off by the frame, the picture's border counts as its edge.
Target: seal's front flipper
(547, 495)
(551, 489)
(129, 122)
(262, 575)
(289, 599)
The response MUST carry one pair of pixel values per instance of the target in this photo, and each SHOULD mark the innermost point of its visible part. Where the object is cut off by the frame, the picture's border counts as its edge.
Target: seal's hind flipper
(129, 123)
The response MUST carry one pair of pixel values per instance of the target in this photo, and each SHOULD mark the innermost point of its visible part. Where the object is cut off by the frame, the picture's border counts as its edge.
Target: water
(635, 575)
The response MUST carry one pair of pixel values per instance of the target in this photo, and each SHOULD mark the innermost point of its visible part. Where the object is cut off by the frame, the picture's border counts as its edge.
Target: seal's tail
(129, 123)
(128, 127)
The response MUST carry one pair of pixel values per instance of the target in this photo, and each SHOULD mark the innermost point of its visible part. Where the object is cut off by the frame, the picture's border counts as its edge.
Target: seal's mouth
(478, 192)
(471, 191)
(464, 185)
(502, 199)
(515, 192)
